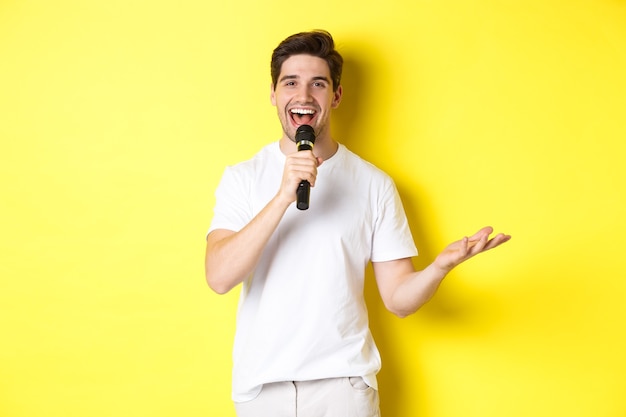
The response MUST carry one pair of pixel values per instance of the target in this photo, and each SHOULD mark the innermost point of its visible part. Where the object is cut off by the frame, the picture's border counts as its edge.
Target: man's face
(304, 94)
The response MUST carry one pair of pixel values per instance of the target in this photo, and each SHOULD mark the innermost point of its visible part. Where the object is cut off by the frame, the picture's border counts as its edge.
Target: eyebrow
(295, 77)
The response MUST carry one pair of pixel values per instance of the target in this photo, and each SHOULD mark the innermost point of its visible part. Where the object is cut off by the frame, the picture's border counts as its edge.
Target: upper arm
(390, 275)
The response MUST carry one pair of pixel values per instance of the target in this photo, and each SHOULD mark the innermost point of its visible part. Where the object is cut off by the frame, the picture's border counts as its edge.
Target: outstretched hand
(464, 249)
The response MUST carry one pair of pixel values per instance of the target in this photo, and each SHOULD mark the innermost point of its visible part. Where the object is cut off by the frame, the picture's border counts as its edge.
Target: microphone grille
(305, 132)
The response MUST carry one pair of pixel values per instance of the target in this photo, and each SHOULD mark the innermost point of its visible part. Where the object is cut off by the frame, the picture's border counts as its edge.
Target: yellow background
(118, 117)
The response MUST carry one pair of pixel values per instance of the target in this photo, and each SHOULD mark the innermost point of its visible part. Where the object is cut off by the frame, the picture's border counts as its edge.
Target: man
(303, 347)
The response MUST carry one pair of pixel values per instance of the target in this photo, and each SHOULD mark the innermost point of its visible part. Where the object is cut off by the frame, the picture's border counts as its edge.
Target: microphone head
(305, 135)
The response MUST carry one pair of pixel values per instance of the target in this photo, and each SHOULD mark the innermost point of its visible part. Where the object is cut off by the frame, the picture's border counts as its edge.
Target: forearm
(232, 256)
(415, 290)
(404, 290)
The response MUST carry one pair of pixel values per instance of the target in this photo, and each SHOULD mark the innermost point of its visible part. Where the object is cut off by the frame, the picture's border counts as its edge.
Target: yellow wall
(116, 121)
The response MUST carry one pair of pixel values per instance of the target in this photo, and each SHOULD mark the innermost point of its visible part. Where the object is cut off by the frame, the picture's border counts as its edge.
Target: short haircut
(317, 43)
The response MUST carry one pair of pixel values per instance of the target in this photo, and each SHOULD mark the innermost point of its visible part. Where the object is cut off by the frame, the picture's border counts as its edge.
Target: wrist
(442, 269)
(282, 201)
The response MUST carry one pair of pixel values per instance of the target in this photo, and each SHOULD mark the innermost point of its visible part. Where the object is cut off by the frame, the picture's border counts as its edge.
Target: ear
(337, 97)
(272, 94)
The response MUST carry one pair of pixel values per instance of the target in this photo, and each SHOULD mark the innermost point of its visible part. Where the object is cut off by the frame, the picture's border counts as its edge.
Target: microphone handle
(304, 188)
(303, 192)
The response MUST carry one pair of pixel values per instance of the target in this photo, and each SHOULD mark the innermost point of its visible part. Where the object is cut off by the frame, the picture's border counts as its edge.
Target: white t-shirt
(302, 315)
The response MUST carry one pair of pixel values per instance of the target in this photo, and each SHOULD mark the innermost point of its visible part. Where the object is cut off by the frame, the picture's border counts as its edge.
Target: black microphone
(305, 138)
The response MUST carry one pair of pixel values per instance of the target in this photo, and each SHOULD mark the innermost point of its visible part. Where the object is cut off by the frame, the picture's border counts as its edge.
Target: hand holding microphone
(305, 138)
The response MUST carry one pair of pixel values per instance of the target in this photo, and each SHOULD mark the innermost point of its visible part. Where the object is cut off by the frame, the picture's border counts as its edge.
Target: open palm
(464, 249)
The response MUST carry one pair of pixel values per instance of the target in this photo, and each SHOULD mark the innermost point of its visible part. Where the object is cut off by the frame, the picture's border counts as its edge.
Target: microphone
(305, 138)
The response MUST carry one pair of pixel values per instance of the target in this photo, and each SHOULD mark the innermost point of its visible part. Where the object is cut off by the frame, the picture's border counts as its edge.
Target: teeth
(302, 111)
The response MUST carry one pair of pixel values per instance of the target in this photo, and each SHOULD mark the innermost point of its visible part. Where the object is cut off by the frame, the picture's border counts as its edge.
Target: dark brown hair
(317, 43)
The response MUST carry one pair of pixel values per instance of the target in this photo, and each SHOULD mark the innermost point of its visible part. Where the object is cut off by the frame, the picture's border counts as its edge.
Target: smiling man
(304, 93)
(303, 346)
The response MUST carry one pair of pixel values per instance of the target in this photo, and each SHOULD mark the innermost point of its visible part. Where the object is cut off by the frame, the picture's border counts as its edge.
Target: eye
(319, 84)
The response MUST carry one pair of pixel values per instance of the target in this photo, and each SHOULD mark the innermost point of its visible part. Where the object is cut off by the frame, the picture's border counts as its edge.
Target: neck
(324, 147)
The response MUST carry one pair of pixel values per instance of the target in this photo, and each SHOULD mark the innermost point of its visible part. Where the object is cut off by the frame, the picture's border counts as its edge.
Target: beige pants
(336, 397)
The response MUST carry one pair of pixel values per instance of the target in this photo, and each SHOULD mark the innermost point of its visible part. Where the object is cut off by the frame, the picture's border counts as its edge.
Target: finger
(296, 172)
(308, 164)
(485, 231)
(305, 175)
(480, 245)
(464, 247)
(497, 240)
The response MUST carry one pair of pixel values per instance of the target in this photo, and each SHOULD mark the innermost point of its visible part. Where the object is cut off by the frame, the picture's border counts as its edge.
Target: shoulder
(263, 158)
(363, 168)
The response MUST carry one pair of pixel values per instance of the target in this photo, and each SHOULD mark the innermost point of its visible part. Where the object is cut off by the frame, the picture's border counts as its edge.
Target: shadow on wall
(359, 113)
(355, 115)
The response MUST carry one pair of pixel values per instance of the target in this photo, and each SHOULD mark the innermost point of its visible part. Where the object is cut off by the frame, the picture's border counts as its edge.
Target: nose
(304, 93)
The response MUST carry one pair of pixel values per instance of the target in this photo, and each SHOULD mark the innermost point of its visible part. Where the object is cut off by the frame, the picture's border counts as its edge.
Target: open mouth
(302, 116)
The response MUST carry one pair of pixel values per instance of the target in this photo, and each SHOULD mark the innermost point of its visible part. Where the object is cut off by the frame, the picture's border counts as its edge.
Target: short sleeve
(232, 209)
(392, 238)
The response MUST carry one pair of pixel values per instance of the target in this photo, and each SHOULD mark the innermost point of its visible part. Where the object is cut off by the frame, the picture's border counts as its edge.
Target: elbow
(401, 311)
(217, 289)
(221, 276)
(218, 286)
(403, 307)
(215, 279)
(401, 315)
